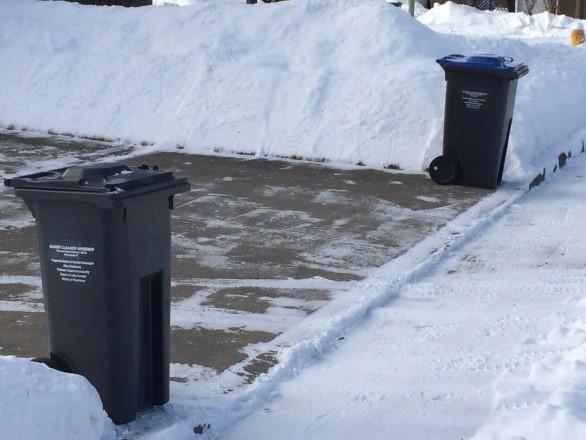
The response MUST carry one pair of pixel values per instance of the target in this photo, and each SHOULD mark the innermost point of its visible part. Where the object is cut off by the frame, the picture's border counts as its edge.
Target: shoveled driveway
(258, 245)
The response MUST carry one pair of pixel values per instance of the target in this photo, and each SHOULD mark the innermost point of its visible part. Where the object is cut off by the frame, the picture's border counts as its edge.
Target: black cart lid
(94, 178)
(485, 63)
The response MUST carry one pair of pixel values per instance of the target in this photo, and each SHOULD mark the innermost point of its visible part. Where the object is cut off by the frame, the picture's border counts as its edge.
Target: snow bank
(40, 403)
(344, 80)
(454, 18)
(550, 402)
(319, 79)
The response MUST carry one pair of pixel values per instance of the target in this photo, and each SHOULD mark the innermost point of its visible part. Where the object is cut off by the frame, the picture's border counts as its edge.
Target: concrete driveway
(258, 245)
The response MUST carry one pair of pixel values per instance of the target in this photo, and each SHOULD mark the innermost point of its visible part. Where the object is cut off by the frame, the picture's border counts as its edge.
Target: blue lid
(484, 63)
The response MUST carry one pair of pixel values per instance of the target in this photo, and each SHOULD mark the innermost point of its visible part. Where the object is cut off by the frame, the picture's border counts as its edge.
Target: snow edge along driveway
(329, 324)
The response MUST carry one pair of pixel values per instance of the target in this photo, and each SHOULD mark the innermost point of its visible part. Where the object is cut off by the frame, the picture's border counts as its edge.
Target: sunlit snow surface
(344, 80)
(493, 337)
(38, 402)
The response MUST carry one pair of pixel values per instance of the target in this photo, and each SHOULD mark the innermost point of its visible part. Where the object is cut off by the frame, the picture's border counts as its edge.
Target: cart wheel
(53, 363)
(443, 170)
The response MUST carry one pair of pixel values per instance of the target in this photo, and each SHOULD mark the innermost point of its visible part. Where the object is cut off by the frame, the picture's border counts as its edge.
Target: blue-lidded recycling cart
(480, 99)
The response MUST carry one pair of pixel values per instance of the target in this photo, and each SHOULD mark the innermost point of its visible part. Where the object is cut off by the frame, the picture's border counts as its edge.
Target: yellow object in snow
(577, 35)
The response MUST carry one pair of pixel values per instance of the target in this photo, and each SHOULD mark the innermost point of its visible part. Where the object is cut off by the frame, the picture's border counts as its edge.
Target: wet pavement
(258, 245)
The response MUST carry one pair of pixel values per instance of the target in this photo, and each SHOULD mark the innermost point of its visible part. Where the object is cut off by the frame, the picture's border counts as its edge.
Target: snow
(38, 402)
(533, 29)
(464, 333)
(29, 301)
(548, 402)
(347, 80)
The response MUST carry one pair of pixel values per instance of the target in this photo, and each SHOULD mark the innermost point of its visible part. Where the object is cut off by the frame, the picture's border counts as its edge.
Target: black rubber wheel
(443, 170)
(53, 363)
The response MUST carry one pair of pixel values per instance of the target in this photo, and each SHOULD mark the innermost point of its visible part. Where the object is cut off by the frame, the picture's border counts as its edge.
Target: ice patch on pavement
(282, 312)
(20, 306)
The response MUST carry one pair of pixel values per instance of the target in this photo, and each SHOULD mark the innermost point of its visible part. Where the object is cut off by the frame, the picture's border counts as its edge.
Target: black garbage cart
(104, 237)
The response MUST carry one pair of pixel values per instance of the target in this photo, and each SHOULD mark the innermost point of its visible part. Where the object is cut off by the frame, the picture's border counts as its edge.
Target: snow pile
(317, 79)
(345, 80)
(454, 18)
(40, 403)
(550, 402)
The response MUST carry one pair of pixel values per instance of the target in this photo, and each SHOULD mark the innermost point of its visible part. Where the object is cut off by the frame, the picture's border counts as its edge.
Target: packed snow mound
(351, 81)
(341, 80)
(550, 402)
(40, 403)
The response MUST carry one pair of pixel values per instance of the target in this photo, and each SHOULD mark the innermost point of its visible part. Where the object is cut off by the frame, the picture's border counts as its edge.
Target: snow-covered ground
(344, 80)
(494, 338)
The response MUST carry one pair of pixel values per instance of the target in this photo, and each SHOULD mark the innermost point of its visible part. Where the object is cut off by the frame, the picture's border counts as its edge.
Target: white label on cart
(72, 262)
(473, 100)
